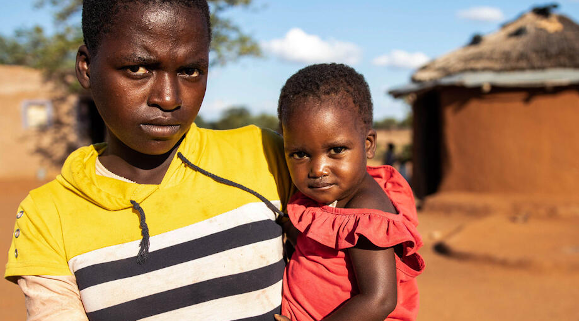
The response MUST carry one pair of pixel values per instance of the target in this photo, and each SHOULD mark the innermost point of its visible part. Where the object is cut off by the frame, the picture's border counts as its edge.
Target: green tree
(55, 54)
(392, 123)
(234, 117)
(386, 123)
(201, 123)
(239, 116)
(229, 41)
(266, 121)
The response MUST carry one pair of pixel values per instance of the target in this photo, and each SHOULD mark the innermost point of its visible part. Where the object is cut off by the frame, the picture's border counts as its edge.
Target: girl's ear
(83, 67)
(370, 144)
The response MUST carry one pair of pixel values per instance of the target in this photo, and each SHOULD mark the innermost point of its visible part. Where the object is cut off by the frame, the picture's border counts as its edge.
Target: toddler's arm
(375, 270)
(374, 267)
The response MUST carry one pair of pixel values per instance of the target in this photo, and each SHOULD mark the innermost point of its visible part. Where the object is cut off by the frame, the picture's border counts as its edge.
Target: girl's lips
(320, 185)
(161, 131)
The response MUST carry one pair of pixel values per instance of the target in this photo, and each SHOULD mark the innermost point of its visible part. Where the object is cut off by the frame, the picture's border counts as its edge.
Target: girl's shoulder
(370, 195)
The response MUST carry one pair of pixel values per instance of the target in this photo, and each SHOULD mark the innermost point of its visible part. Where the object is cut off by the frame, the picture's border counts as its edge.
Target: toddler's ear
(82, 67)
(370, 144)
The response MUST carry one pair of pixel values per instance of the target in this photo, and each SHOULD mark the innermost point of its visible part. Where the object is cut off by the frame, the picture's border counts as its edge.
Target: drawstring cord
(144, 245)
(230, 183)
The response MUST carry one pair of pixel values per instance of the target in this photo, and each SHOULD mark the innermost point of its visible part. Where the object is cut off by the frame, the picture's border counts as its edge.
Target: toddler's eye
(298, 155)
(137, 69)
(337, 150)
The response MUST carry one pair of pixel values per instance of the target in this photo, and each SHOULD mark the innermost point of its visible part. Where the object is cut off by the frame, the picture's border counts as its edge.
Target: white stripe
(237, 307)
(234, 261)
(252, 212)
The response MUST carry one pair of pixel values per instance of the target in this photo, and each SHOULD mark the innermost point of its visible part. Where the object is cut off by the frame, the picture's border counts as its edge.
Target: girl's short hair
(321, 80)
(98, 16)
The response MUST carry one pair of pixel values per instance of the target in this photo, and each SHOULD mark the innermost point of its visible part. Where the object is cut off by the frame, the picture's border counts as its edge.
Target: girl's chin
(323, 201)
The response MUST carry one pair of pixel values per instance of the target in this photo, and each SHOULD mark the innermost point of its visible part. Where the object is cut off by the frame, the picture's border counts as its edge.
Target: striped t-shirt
(215, 250)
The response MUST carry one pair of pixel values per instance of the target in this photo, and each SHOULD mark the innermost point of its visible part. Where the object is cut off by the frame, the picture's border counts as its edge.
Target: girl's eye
(337, 150)
(137, 69)
(299, 155)
(191, 72)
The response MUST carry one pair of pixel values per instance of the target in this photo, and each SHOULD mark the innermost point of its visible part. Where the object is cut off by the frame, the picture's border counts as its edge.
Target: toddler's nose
(319, 168)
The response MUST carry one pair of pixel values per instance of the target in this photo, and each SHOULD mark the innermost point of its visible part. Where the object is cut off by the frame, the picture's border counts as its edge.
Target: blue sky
(383, 40)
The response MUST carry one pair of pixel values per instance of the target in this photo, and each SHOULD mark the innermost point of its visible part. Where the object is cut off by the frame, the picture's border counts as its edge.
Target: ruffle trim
(340, 228)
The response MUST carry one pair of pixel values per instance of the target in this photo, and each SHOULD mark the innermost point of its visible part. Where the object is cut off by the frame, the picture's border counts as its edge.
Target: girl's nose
(165, 92)
(319, 168)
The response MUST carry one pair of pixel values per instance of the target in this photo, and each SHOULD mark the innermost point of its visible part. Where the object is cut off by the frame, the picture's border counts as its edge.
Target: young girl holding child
(355, 231)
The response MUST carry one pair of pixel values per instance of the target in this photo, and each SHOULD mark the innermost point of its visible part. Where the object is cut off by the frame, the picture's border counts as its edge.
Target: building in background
(40, 125)
(501, 114)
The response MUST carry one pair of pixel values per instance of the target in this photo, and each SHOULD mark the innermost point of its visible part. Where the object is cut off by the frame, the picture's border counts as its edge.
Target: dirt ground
(478, 266)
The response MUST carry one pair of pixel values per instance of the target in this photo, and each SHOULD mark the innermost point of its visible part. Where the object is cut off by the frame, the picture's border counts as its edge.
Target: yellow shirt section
(81, 212)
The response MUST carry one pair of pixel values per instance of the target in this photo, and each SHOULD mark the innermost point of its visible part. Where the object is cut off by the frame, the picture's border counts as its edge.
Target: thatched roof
(537, 40)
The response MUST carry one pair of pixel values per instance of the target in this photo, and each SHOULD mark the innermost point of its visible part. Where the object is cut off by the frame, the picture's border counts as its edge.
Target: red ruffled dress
(319, 277)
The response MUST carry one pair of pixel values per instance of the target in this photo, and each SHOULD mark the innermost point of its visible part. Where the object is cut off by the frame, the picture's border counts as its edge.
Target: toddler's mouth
(319, 184)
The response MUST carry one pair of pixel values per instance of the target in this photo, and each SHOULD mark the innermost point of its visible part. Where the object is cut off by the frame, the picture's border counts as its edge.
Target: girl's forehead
(323, 125)
(169, 16)
(324, 110)
(156, 14)
(155, 26)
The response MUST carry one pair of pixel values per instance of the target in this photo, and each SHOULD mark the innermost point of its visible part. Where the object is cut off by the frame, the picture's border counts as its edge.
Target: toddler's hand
(281, 318)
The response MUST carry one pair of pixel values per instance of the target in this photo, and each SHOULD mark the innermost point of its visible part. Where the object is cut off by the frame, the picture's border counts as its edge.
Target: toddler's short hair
(322, 80)
(99, 15)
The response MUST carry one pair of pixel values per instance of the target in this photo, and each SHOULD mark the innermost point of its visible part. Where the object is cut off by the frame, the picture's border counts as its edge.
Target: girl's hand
(281, 318)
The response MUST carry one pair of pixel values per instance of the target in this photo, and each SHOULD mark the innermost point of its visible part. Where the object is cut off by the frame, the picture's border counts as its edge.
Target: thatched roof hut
(499, 114)
(538, 49)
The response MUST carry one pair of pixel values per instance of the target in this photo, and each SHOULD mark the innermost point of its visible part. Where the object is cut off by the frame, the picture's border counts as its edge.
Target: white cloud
(298, 46)
(487, 14)
(213, 109)
(401, 59)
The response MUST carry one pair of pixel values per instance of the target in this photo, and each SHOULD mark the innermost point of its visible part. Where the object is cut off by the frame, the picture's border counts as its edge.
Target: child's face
(326, 149)
(149, 74)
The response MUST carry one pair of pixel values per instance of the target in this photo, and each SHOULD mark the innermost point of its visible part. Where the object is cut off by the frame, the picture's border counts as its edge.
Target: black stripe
(194, 294)
(221, 241)
(266, 316)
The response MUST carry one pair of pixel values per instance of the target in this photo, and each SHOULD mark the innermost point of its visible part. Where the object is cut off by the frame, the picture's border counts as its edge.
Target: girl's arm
(375, 270)
(52, 298)
(374, 267)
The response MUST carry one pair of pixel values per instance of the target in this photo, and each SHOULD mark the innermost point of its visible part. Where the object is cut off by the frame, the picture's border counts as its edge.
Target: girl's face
(148, 76)
(326, 148)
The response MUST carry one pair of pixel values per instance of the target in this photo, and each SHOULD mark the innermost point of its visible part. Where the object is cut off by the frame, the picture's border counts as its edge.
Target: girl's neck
(135, 166)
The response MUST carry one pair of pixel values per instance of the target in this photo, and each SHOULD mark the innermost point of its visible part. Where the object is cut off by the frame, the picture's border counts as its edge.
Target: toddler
(356, 247)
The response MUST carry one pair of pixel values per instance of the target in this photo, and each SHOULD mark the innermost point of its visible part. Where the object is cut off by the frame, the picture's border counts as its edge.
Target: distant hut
(501, 114)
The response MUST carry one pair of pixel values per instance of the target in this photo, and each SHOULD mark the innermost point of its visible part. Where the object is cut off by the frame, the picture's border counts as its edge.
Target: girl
(355, 231)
